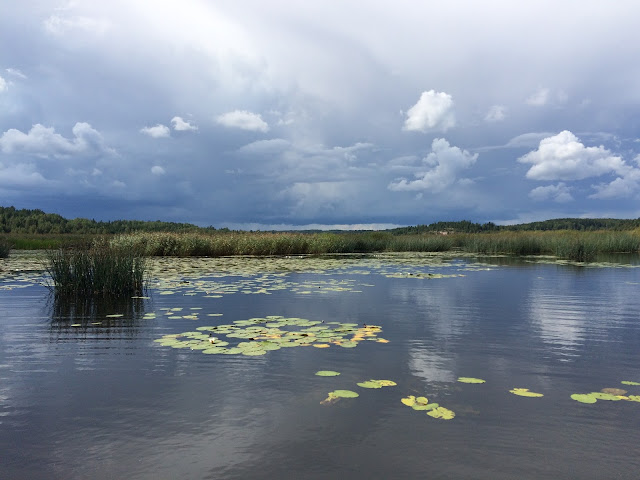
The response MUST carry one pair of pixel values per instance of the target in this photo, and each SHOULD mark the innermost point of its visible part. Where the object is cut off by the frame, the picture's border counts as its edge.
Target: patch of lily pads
(257, 336)
(434, 410)
(609, 394)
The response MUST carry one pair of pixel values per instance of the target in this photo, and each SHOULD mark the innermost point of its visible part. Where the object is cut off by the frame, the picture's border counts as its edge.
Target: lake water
(86, 394)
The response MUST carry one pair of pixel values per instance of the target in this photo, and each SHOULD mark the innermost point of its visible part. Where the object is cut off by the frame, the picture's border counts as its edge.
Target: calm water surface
(103, 400)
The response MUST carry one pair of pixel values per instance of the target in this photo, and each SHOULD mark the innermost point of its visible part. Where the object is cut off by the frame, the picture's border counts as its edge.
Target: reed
(5, 248)
(98, 271)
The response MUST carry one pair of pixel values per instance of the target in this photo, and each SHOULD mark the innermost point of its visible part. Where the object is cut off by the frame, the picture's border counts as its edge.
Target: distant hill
(26, 221)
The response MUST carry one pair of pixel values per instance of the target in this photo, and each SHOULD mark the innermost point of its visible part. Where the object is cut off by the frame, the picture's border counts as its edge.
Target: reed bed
(5, 248)
(577, 246)
(98, 271)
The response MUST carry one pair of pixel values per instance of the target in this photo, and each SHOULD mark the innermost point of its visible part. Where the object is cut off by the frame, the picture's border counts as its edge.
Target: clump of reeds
(5, 248)
(99, 270)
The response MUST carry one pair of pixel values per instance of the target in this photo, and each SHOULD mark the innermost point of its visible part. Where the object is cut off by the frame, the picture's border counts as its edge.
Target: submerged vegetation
(99, 270)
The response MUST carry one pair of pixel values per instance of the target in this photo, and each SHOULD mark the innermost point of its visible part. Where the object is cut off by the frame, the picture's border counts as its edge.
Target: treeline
(25, 221)
(574, 224)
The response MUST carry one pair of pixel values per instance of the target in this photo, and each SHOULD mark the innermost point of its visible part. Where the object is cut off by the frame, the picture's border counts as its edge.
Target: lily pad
(629, 382)
(345, 394)
(524, 392)
(584, 398)
(327, 373)
(470, 380)
(604, 396)
(441, 412)
(409, 401)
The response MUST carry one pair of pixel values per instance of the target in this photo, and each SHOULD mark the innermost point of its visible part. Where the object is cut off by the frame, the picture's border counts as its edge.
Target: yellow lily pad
(409, 401)
(441, 412)
(524, 392)
(470, 380)
(584, 398)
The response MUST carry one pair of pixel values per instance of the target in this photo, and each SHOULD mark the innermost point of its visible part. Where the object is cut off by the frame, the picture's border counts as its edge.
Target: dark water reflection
(102, 400)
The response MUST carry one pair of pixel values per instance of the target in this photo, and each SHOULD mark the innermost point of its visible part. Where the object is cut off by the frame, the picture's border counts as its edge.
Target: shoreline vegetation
(574, 239)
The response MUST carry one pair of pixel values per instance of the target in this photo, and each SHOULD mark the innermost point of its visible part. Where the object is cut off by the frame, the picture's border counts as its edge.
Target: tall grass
(5, 248)
(98, 271)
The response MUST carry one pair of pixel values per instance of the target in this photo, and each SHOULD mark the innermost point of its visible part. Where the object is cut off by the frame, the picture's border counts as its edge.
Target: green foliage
(97, 271)
(27, 221)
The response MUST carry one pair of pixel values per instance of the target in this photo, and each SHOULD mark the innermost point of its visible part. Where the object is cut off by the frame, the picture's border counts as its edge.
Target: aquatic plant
(5, 248)
(96, 271)
(470, 380)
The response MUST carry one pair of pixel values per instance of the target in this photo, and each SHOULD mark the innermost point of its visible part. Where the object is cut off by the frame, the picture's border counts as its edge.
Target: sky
(321, 114)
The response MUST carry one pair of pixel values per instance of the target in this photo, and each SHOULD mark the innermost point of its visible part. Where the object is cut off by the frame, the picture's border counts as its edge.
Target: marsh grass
(576, 246)
(5, 248)
(99, 270)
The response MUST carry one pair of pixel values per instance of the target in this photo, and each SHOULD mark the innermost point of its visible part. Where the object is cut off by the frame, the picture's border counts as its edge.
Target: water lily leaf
(327, 373)
(253, 353)
(370, 384)
(321, 345)
(409, 401)
(524, 392)
(387, 383)
(584, 398)
(345, 394)
(470, 380)
(604, 396)
(634, 398)
(422, 400)
(441, 412)
(115, 315)
(629, 382)
(421, 407)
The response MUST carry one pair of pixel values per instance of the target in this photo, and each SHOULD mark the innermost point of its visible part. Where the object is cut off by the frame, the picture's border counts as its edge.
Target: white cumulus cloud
(180, 124)
(446, 163)
(158, 170)
(44, 142)
(159, 131)
(434, 110)
(564, 157)
(625, 186)
(3, 85)
(243, 120)
(559, 193)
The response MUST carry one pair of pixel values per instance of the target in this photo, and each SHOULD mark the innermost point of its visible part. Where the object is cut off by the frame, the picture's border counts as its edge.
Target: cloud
(564, 157)
(539, 98)
(447, 162)
(625, 186)
(20, 175)
(496, 113)
(42, 141)
(60, 25)
(243, 120)
(158, 170)
(3, 85)
(180, 124)
(16, 73)
(559, 193)
(159, 131)
(266, 147)
(434, 110)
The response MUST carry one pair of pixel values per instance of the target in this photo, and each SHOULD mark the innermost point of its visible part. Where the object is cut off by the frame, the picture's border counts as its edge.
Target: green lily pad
(377, 383)
(441, 412)
(584, 398)
(524, 392)
(604, 396)
(345, 394)
(470, 380)
(629, 382)
(327, 373)
(429, 406)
